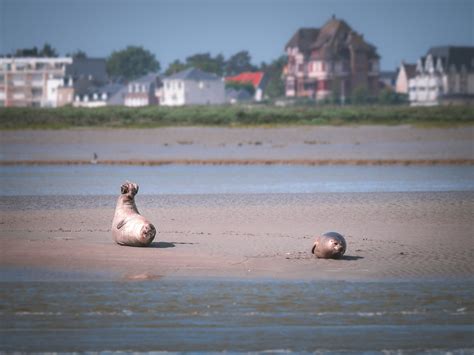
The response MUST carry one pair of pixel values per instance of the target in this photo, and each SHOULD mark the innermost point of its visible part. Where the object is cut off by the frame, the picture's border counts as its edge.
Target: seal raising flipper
(129, 227)
(330, 245)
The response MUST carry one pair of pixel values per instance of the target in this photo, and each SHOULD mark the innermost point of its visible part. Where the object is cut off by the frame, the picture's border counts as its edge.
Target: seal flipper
(121, 223)
(314, 247)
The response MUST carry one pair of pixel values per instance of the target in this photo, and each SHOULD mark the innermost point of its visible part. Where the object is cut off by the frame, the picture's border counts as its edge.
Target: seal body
(129, 227)
(330, 245)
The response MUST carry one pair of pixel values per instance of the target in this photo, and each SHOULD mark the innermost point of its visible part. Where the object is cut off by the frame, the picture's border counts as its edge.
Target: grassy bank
(121, 117)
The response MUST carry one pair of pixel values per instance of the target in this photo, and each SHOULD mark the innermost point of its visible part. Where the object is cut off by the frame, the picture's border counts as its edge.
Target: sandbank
(391, 236)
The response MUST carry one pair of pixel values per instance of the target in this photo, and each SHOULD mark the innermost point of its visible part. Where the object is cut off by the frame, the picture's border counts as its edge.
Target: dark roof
(332, 31)
(332, 40)
(303, 38)
(87, 67)
(410, 70)
(193, 74)
(88, 87)
(454, 56)
(146, 79)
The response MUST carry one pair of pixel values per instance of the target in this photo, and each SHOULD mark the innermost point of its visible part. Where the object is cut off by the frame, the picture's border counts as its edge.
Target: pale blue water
(196, 179)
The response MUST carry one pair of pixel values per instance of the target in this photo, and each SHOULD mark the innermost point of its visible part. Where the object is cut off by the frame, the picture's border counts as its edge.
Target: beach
(231, 264)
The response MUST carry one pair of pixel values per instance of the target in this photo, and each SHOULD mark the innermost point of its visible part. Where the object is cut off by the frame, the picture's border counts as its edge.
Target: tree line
(135, 61)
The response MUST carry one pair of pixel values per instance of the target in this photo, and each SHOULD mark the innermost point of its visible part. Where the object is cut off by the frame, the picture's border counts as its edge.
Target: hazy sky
(175, 29)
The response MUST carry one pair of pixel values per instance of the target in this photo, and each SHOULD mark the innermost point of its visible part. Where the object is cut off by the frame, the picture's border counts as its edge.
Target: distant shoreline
(304, 162)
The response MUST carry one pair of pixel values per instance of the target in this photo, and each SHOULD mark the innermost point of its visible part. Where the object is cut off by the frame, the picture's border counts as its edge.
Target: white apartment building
(193, 87)
(31, 81)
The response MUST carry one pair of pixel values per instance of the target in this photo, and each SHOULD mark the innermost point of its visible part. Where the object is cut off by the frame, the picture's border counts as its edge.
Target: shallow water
(213, 315)
(196, 179)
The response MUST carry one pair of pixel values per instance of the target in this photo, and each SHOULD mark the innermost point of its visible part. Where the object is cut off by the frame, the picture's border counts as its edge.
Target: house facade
(404, 74)
(445, 75)
(142, 92)
(31, 81)
(193, 87)
(112, 94)
(331, 60)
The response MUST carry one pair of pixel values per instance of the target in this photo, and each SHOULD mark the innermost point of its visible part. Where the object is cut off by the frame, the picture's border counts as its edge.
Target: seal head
(330, 245)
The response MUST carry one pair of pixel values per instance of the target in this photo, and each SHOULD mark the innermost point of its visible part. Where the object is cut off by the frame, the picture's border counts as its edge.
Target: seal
(128, 226)
(330, 245)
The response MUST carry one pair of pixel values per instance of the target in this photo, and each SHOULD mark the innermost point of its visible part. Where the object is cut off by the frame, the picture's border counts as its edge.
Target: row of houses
(334, 60)
(56, 82)
(445, 75)
(327, 62)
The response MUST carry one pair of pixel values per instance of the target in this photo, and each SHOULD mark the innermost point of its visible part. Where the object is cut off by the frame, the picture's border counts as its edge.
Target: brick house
(330, 61)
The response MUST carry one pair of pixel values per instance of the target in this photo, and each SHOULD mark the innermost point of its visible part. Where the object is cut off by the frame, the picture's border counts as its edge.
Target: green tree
(205, 62)
(273, 74)
(238, 63)
(131, 62)
(79, 54)
(27, 52)
(46, 51)
(175, 67)
(389, 97)
(360, 95)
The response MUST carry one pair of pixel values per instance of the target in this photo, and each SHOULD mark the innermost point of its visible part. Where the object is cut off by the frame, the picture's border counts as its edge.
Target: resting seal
(330, 245)
(129, 227)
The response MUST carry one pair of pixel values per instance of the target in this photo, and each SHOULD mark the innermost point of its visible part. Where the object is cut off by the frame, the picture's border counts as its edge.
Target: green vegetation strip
(258, 115)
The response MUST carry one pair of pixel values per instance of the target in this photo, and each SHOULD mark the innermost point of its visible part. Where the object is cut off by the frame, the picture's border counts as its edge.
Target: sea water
(199, 179)
(216, 315)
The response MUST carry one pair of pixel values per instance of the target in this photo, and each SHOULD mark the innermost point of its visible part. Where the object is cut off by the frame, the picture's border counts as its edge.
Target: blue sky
(175, 29)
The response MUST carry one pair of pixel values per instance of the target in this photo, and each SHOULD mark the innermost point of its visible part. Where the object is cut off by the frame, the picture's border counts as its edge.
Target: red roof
(253, 77)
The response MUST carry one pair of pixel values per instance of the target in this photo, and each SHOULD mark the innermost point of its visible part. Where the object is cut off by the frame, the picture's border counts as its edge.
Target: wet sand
(390, 236)
(362, 145)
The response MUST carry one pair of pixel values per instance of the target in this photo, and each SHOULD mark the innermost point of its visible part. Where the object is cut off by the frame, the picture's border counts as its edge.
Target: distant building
(254, 78)
(233, 96)
(193, 87)
(331, 60)
(81, 74)
(387, 80)
(444, 76)
(31, 81)
(404, 74)
(112, 94)
(142, 92)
